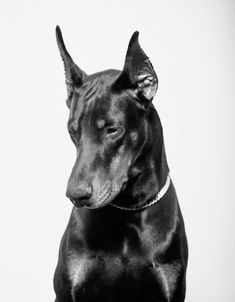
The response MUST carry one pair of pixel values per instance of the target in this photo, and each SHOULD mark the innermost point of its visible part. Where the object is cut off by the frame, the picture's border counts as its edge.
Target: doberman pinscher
(125, 240)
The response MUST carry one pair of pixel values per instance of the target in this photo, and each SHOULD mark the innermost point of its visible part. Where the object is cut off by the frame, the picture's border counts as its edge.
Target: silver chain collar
(160, 194)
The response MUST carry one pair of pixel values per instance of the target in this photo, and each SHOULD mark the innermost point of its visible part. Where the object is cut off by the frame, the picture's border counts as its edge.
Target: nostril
(79, 193)
(85, 195)
(84, 192)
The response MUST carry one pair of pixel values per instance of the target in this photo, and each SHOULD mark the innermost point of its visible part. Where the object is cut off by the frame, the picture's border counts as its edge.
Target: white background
(191, 45)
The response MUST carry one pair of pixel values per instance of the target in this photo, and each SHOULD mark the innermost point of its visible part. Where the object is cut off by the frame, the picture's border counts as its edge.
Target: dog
(125, 240)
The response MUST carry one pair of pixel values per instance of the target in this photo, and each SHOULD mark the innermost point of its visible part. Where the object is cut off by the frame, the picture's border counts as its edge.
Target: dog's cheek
(120, 166)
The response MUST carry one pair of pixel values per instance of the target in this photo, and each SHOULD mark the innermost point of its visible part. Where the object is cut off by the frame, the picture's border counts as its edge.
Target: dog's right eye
(113, 131)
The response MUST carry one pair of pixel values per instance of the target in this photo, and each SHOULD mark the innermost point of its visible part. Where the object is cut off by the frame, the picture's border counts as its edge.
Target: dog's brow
(100, 124)
(133, 135)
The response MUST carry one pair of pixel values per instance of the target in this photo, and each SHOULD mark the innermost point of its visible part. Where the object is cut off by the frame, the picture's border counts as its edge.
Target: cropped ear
(138, 73)
(74, 76)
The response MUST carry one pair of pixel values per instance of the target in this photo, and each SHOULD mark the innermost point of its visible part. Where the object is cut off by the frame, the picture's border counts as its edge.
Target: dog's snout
(79, 192)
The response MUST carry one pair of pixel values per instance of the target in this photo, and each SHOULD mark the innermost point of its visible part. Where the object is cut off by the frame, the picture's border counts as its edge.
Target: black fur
(108, 254)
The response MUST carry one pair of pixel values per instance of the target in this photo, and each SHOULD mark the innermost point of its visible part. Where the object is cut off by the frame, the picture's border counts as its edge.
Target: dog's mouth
(78, 203)
(102, 197)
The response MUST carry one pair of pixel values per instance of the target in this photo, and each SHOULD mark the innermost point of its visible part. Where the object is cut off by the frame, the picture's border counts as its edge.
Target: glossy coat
(107, 254)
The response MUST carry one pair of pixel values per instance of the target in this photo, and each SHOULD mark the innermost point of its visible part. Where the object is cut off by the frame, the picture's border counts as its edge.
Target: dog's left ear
(138, 74)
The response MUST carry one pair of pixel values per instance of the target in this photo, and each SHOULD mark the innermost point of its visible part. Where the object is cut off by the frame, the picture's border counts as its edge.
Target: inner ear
(138, 74)
(146, 87)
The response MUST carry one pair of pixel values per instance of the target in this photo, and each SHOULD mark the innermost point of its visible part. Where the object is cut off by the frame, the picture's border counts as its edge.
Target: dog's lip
(102, 202)
(123, 187)
(106, 198)
(78, 204)
(88, 203)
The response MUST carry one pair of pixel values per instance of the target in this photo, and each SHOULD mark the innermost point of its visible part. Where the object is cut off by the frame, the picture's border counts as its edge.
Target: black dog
(125, 240)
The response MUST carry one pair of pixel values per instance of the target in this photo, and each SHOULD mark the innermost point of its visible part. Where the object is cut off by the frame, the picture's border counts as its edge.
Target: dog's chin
(90, 204)
(97, 203)
(102, 197)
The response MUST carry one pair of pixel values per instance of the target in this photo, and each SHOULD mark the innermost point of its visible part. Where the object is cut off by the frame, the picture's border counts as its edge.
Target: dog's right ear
(74, 76)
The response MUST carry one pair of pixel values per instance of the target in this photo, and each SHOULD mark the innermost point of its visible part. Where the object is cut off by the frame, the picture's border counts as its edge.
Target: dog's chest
(120, 277)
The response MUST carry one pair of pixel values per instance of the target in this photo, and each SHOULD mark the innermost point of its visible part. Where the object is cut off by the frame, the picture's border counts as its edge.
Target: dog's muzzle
(79, 195)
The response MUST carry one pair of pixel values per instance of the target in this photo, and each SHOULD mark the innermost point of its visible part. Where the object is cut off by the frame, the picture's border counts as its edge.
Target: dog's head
(107, 124)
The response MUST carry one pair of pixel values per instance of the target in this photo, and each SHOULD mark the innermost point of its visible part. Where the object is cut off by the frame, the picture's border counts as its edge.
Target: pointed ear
(138, 73)
(74, 76)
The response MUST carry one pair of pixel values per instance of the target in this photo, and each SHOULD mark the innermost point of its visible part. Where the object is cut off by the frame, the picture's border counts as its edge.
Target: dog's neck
(150, 170)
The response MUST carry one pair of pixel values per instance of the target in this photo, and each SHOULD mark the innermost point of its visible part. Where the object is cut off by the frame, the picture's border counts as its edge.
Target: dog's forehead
(103, 78)
(96, 96)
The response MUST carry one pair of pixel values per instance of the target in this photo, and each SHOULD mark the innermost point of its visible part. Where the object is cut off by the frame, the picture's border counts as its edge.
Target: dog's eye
(112, 130)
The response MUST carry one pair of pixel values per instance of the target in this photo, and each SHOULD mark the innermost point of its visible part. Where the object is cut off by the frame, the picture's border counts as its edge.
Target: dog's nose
(79, 193)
